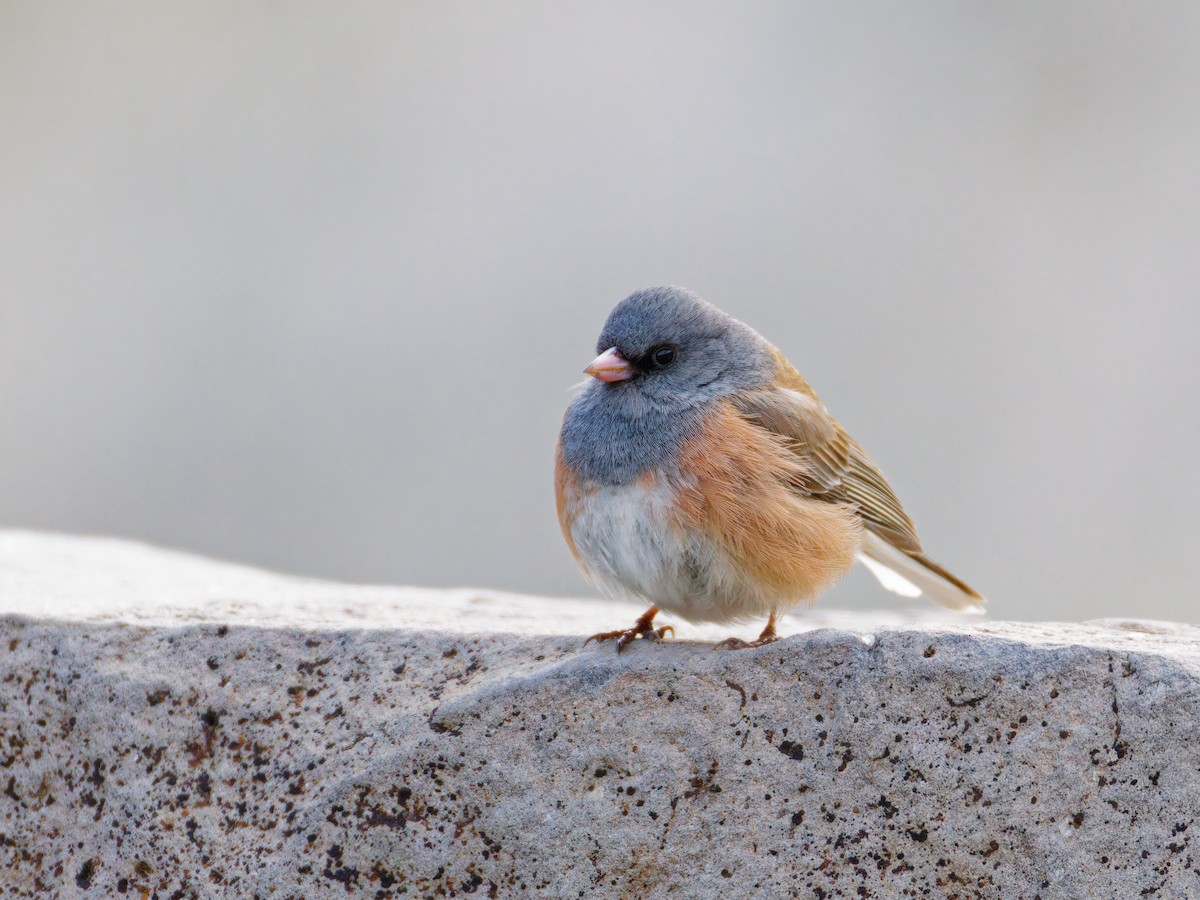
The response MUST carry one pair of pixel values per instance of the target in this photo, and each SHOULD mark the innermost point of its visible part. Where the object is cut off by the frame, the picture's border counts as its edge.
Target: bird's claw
(738, 644)
(625, 637)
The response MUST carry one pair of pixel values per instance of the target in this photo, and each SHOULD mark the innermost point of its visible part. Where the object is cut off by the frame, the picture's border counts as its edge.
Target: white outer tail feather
(908, 578)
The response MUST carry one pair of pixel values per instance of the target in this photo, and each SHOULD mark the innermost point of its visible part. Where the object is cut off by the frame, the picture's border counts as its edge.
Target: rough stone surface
(175, 727)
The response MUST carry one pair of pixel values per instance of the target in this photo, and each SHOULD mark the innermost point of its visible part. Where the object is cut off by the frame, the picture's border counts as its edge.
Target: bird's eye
(662, 356)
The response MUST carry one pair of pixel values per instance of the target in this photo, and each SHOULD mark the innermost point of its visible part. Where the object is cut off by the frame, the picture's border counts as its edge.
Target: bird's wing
(838, 470)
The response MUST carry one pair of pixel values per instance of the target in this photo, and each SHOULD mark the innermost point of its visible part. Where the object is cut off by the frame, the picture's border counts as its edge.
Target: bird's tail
(913, 574)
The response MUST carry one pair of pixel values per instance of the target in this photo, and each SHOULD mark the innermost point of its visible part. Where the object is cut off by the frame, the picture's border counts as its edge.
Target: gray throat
(612, 435)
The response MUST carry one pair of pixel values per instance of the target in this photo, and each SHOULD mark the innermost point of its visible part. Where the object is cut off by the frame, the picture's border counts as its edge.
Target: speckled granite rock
(174, 727)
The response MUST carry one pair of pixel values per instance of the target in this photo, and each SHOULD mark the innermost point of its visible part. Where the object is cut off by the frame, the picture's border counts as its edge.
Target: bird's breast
(715, 533)
(629, 540)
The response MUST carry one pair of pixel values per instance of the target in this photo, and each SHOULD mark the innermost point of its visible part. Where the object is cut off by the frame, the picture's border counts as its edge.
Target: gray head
(671, 349)
(664, 355)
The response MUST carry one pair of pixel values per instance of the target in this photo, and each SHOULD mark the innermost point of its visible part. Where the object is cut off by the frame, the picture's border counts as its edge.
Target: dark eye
(662, 356)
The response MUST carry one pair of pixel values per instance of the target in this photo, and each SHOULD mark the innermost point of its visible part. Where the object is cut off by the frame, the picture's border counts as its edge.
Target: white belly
(631, 548)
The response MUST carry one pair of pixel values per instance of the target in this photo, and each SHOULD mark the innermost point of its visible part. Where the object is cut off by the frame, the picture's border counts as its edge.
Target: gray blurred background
(305, 285)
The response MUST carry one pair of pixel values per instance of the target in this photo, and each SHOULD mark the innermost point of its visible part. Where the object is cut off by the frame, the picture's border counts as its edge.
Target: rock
(172, 726)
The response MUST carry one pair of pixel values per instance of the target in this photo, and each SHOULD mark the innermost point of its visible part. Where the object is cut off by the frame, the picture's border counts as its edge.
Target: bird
(698, 471)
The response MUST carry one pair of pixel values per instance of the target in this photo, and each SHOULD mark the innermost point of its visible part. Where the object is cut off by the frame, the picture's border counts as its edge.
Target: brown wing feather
(837, 468)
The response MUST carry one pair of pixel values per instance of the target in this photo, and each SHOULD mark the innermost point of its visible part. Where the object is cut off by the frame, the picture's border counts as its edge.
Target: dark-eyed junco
(699, 472)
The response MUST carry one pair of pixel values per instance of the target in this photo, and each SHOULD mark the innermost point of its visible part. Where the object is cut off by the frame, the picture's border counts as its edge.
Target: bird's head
(673, 349)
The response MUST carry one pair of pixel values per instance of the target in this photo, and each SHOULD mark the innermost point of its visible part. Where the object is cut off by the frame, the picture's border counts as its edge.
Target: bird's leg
(642, 628)
(768, 636)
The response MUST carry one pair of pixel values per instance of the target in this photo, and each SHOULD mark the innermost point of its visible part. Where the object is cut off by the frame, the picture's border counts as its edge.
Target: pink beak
(610, 366)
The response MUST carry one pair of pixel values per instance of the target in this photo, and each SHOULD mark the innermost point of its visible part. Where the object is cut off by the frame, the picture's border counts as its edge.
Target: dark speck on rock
(792, 749)
(83, 878)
